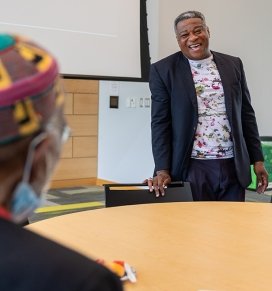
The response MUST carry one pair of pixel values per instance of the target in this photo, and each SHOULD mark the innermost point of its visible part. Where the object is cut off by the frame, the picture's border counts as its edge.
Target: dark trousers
(214, 180)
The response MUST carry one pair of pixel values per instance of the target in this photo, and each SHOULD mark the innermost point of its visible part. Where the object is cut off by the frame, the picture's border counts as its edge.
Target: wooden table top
(211, 246)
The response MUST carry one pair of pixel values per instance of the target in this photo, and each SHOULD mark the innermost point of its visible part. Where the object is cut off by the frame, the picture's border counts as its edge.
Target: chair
(129, 194)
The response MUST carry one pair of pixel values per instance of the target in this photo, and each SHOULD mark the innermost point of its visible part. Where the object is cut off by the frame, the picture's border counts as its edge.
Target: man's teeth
(194, 46)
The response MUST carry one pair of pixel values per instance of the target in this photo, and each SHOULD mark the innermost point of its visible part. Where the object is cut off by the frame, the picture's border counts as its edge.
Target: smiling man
(204, 128)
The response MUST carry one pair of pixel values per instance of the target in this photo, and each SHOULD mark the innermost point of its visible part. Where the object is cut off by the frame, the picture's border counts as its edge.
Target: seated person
(32, 130)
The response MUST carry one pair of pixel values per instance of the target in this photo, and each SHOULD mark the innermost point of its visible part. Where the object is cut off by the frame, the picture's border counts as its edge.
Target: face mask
(25, 200)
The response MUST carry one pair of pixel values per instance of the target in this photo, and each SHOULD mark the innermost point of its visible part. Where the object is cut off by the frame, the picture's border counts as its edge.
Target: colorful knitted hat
(29, 87)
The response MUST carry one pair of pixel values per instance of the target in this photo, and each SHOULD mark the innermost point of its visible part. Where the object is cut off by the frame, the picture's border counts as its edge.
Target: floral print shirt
(213, 134)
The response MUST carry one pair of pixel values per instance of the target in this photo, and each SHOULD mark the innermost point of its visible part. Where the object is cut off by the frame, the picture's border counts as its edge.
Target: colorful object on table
(121, 269)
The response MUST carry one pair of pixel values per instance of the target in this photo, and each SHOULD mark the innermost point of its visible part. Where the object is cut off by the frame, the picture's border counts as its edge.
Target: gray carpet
(68, 200)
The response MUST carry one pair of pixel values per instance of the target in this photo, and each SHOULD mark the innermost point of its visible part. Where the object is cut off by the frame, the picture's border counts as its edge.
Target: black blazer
(30, 262)
(175, 114)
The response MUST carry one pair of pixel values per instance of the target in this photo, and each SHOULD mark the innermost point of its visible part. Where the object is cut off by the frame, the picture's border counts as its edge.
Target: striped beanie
(29, 87)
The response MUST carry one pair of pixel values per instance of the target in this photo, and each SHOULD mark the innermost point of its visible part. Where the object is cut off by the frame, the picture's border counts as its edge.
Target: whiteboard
(88, 37)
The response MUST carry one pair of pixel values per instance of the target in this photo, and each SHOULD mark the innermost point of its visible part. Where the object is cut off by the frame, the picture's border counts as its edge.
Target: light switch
(114, 101)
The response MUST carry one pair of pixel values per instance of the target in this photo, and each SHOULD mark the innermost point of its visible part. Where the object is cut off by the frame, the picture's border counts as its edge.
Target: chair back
(129, 194)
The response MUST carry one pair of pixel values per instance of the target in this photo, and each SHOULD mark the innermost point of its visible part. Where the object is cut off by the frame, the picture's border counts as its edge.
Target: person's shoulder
(169, 60)
(47, 260)
(45, 249)
(226, 57)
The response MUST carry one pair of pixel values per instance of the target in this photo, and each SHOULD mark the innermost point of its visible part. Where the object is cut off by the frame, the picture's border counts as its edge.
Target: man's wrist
(258, 163)
(165, 172)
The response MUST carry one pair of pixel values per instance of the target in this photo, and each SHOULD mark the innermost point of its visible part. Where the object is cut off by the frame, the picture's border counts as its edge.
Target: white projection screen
(90, 38)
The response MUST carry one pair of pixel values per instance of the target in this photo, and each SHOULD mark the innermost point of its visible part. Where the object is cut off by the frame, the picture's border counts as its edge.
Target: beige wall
(78, 163)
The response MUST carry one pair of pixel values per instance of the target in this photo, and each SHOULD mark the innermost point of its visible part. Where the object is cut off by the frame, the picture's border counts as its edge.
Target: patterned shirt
(213, 138)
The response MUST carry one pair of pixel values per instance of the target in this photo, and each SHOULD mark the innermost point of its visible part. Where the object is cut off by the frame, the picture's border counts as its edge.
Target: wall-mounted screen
(90, 38)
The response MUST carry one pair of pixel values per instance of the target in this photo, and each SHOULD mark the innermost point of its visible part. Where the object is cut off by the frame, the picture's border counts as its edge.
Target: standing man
(32, 130)
(204, 128)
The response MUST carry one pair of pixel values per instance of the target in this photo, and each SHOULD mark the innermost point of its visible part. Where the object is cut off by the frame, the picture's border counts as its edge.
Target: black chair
(129, 194)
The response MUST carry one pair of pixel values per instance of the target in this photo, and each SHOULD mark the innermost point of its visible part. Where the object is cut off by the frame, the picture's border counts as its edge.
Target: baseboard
(101, 182)
(78, 182)
(72, 183)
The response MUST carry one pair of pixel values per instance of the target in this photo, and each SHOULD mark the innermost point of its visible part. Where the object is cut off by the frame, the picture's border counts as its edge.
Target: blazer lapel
(184, 70)
(222, 67)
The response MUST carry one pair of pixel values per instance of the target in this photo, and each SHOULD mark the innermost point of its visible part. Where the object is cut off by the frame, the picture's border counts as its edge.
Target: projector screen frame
(144, 50)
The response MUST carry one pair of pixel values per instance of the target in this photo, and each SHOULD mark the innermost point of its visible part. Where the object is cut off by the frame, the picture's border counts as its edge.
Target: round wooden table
(222, 246)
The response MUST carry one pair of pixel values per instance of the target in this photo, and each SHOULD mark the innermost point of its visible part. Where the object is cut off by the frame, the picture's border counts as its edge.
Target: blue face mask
(25, 200)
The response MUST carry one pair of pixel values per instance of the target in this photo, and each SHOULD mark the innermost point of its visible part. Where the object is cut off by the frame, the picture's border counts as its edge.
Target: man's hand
(262, 177)
(159, 182)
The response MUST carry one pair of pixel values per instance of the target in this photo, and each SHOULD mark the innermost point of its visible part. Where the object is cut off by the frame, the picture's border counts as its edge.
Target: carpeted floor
(68, 200)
